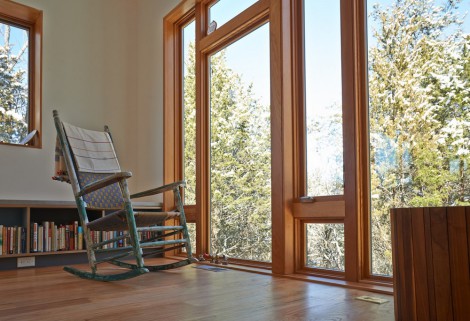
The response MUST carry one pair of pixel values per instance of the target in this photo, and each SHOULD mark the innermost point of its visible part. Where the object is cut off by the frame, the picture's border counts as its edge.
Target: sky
(250, 56)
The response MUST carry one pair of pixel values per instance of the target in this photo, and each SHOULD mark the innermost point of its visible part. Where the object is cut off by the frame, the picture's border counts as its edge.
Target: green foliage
(240, 167)
(189, 121)
(240, 163)
(325, 246)
(13, 91)
(418, 112)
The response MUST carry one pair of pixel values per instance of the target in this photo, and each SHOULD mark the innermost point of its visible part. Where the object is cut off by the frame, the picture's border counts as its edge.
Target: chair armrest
(109, 180)
(159, 190)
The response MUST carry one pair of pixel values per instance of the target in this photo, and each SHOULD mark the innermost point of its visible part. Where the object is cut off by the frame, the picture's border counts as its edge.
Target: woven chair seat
(116, 221)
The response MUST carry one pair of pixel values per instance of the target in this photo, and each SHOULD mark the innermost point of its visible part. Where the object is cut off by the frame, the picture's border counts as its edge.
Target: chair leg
(87, 235)
(183, 223)
(134, 237)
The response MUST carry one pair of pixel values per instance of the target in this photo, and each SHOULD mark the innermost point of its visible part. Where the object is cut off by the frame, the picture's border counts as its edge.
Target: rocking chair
(92, 169)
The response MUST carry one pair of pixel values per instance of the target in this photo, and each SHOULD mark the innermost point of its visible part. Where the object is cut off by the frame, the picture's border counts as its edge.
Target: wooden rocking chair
(97, 182)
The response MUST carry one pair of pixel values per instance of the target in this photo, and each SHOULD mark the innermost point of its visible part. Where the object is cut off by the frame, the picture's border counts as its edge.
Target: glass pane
(240, 152)
(224, 10)
(325, 246)
(14, 92)
(323, 98)
(419, 115)
(189, 113)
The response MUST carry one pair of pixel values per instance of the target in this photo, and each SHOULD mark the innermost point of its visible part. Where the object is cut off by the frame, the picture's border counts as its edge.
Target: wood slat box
(431, 250)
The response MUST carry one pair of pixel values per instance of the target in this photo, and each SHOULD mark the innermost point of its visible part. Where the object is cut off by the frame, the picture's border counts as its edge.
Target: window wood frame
(290, 210)
(30, 19)
(234, 29)
(302, 249)
(174, 23)
(353, 207)
(230, 32)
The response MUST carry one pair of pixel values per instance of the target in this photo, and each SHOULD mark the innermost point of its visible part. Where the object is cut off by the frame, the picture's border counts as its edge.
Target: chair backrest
(90, 155)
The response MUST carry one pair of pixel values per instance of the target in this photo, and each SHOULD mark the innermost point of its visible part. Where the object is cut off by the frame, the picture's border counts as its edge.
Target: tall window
(323, 97)
(419, 114)
(189, 112)
(240, 149)
(189, 122)
(20, 90)
(221, 107)
(323, 243)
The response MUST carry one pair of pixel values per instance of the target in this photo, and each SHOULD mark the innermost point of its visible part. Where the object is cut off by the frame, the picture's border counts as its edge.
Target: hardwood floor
(186, 293)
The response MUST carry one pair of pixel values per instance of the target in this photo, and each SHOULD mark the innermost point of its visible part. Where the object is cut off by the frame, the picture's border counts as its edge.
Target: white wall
(102, 64)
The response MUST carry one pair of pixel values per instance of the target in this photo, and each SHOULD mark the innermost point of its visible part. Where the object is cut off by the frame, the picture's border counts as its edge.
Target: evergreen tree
(240, 162)
(13, 90)
(418, 113)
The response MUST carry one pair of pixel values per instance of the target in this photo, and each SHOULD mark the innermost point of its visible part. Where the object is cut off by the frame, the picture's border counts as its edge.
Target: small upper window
(223, 10)
(20, 74)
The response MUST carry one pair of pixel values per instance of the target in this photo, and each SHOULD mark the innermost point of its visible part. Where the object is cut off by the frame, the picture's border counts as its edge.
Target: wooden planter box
(431, 250)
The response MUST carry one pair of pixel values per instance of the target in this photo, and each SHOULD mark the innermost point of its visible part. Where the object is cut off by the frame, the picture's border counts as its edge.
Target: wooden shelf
(21, 213)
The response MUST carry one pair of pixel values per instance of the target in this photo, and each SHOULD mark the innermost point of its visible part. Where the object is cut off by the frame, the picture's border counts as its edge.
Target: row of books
(12, 240)
(102, 236)
(50, 237)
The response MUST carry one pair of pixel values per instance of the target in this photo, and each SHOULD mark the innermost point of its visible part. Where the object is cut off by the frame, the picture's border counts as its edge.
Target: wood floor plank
(181, 294)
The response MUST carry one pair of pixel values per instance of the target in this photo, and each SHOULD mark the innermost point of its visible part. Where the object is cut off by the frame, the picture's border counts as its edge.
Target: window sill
(364, 286)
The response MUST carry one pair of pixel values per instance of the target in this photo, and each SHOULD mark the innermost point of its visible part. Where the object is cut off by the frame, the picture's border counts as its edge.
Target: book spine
(72, 237)
(80, 238)
(62, 238)
(49, 236)
(18, 240)
(5, 241)
(45, 236)
(40, 238)
(11, 240)
(31, 238)
(23, 240)
(35, 237)
(1, 239)
(56, 238)
(75, 234)
(67, 237)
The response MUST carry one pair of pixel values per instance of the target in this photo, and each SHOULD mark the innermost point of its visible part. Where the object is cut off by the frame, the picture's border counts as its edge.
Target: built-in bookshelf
(45, 233)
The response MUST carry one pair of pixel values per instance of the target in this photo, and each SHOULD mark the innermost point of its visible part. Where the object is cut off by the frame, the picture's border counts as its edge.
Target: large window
(321, 215)
(240, 149)
(221, 107)
(368, 109)
(20, 74)
(419, 111)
